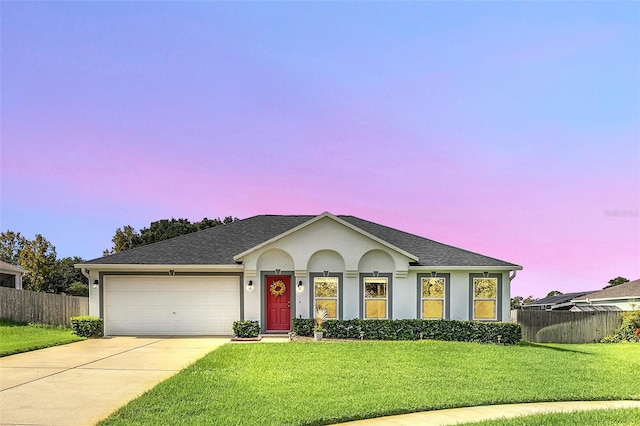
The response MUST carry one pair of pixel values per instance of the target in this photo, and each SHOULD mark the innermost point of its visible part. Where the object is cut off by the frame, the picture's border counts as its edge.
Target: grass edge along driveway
(18, 337)
(331, 382)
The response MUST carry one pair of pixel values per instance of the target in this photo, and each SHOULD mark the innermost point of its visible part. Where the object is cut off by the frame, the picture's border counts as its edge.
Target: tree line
(46, 273)
(127, 237)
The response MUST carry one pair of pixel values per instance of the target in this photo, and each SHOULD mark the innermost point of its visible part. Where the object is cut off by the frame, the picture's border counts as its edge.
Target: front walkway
(82, 383)
(455, 416)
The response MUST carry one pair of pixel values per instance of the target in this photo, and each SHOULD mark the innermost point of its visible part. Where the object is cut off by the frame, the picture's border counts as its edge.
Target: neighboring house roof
(595, 308)
(219, 245)
(557, 299)
(8, 268)
(630, 289)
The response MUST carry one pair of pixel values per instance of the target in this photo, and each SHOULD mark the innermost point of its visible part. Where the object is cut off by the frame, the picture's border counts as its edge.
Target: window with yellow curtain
(326, 295)
(375, 297)
(485, 298)
(433, 295)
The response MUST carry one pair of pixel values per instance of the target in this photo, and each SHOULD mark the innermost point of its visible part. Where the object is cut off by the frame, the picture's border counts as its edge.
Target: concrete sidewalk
(82, 383)
(455, 416)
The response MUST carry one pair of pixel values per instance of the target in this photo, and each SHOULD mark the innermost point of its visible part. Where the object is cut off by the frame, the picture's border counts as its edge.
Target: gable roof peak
(314, 219)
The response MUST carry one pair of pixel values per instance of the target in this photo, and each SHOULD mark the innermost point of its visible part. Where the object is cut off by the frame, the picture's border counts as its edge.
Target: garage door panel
(171, 305)
(158, 328)
(124, 298)
(119, 327)
(121, 313)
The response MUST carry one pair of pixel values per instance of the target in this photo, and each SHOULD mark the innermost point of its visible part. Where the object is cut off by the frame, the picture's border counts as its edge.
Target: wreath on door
(278, 288)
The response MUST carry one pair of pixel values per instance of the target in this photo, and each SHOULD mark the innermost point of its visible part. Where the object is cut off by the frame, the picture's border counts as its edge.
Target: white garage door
(165, 306)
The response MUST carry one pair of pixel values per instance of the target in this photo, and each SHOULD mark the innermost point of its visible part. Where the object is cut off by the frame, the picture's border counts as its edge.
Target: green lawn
(17, 337)
(328, 382)
(617, 417)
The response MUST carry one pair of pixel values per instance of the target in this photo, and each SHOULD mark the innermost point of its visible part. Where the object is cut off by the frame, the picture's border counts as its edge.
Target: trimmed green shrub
(415, 329)
(303, 326)
(78, 289)
(87, 326)
(626, 331)
(246, 329)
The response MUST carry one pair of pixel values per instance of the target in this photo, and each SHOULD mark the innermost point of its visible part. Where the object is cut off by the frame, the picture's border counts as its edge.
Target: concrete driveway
(82, 383)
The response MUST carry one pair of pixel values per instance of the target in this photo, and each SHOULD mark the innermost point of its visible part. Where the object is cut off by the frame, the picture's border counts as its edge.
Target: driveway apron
(82, 383)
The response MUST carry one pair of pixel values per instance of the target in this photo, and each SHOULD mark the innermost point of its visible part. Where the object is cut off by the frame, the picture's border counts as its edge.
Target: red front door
(278, 303)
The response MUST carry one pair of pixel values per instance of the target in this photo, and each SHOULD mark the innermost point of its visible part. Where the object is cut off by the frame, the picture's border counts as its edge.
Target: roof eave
(606, 299)
(5, 266)
(465, 268)
(159, 267)
(13, 270)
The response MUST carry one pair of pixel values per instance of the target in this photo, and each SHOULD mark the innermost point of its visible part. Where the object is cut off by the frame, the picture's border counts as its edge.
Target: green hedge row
(415, 329)
(246, 329)
(86, 326)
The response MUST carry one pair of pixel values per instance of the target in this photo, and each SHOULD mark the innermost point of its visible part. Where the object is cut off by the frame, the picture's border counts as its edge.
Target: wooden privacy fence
(564, 326)
(41, 308)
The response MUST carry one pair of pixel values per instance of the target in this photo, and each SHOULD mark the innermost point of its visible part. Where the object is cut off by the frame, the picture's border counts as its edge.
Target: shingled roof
(630, 289)
(557, 299)
(218, 245)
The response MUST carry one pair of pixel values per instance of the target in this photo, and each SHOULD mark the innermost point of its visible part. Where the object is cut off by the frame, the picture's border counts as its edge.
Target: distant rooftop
(557, 299)
(630, 289)
(595, 308)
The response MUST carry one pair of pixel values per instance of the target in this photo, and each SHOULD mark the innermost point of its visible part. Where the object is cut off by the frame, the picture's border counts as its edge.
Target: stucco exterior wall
(325, 234)
(405, 297)
(252, 299)
(94, 294)
(506, 297)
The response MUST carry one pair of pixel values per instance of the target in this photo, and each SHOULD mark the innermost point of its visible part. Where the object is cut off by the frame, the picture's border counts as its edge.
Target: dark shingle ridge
(218, 245)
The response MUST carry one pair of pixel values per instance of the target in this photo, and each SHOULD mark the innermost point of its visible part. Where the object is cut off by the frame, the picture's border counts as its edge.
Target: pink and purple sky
(507, 128)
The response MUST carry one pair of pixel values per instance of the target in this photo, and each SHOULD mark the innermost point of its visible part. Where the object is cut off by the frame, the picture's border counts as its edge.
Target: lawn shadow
(5, 322)
(544, 346)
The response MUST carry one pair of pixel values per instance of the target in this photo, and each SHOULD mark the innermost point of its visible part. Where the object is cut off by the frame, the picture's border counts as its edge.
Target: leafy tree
(10, 245)
(65, 275)
(554, 293)
(38, 258)
(210, 223)
(165, 229)
(78, 289)
(518, 301)
(127, 237)
(616, 281)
